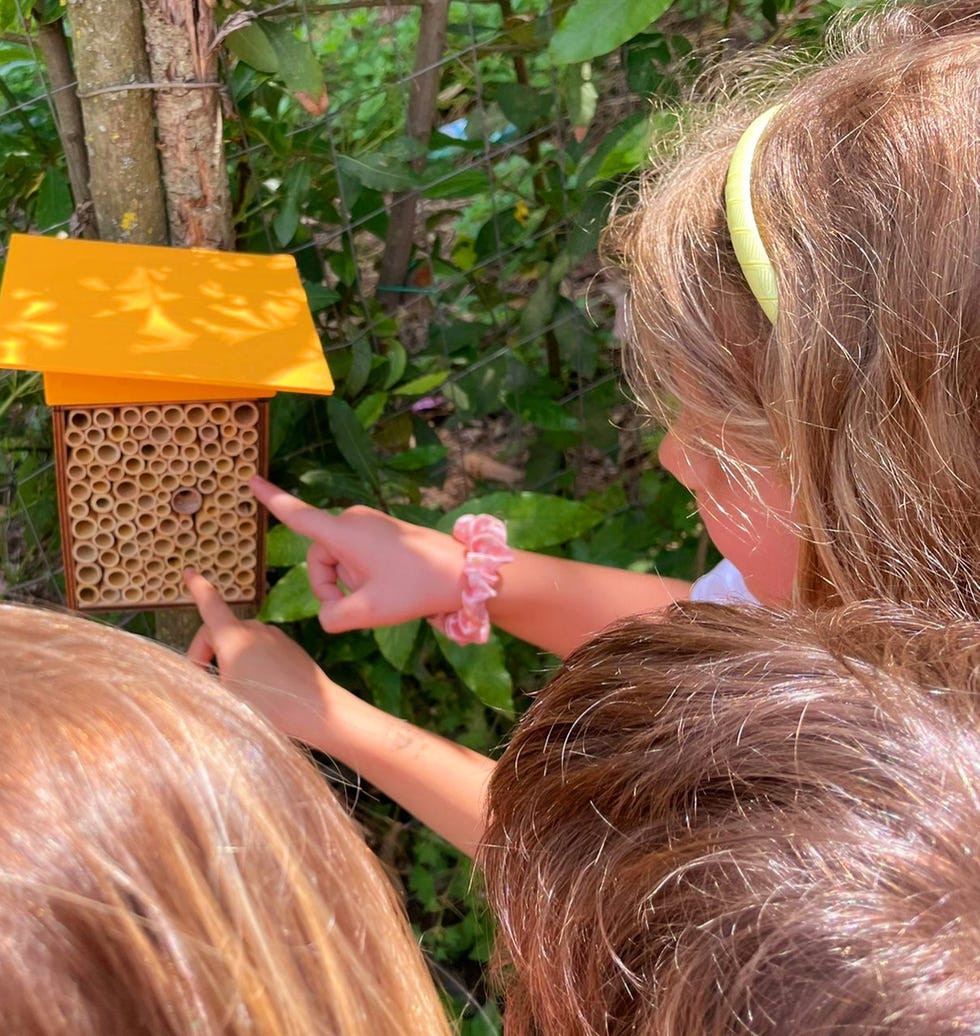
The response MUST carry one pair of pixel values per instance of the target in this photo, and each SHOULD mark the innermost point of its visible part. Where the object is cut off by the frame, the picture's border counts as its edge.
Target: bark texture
(125, 173)
(179, 34)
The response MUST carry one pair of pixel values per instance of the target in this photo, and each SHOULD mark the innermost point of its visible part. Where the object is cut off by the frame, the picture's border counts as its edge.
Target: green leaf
(420, 386)
(534, 520)
(594, 27)
(481, 668)
(370, 408)
(380, 172)
(54, 204)
(284, 548)
(542, 412)
(580, 96)
(417, 458)
(353, 442)
(360, 368)
(397, 642)
(299, 69)
(523, 105)
(319, 296)
(291, 599)
(464, 184)
(627, 147)
(251, 45)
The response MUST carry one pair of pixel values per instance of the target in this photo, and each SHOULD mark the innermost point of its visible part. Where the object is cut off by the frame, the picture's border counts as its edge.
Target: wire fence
(492, 207)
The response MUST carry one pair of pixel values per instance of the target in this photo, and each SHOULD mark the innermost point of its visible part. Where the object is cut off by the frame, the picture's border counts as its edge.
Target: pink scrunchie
(485, 540)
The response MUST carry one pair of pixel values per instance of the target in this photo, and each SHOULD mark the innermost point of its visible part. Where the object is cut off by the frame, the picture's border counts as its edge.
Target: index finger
(215, 614)
(290, 510)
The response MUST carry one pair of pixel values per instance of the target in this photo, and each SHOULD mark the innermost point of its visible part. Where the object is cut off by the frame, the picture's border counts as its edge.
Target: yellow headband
(749, 249)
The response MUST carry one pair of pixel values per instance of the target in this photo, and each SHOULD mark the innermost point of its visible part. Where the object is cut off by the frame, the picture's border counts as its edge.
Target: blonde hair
(727, 821)
(169, 864)
(865, 392)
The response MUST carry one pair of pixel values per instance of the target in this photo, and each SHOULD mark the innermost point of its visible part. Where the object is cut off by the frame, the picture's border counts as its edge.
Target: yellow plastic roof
(221, 322)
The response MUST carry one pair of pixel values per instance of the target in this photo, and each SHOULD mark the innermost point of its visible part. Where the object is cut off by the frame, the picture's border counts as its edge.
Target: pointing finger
(201, 650)
(291, 511)
(215, 613)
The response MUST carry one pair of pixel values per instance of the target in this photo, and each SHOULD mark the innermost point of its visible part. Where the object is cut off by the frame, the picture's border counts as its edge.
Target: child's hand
(393, 571)
(260, 664)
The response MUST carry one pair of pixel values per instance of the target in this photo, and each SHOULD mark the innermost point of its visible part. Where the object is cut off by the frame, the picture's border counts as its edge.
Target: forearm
(558, 604)
(441, 783)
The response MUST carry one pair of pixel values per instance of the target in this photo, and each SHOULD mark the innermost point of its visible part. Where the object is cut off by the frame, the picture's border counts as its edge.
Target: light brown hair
(866, 392)
(733, 821)
(169, 864)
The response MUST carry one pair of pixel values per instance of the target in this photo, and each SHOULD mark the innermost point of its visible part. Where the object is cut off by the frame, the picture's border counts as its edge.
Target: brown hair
(169, 864)
(734, 821)
(866, 392)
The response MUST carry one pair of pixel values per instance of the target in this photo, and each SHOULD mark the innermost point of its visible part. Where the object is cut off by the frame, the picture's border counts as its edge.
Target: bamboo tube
(103, 418)
(157, 465)
(133, 465)
(207, 433)
(232, 446)
(126, 510)
(87, 595)
(225, 500)
(116, 578)
(218, 413)
(104, 540)
(169, 593)
(227, 485)
(117, 433)
(88, 574)
(169, 482)
(245, 414)
(144, 537)
(129, 551)
(100, 485)
(140, 432)
(101, 504)
(165, 546)
(146, 502)
(109, 595)
(76, 471)
(228, 536)
(147, 480)
(132, 594)
(106, 523)
(79, 419)
(74, 437)
(196, 414)
(94, 435)
(160, 433)
(207, 486)
(178, 466)
(167, 526)
(108, 453)
(187, 501)
(169, 450)
(250, 454)
(225, 579)
(248, 527)
(109, 558)
(85, 552)
(211, 449)
(153, 583)
(83, 454)
(245, 577)
(151, 415)
(115, 474)
(191, 453)
(78, 509)
(146, 521)
(245, 470)
(125, 530)
(201, 467)
(172, 415)
(249, 436)
(84, 528)
(130, 415)
(95, 473)
(79, 491)
(185, 540)
(148, 450)
(154, 567)
(249, 559)
(188, 480)
(129, 447)
(183, 435)
(222, 465)
(207, 527)
(247, 506)
(207, 545)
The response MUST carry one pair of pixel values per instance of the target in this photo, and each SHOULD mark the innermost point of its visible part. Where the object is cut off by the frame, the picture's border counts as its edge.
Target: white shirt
(722, 585)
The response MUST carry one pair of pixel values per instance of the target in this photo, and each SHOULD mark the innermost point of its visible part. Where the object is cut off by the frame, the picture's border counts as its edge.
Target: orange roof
(110, 323)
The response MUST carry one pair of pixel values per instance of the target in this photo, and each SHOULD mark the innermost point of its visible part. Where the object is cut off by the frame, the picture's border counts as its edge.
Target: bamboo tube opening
(77, 509)
(208, 527)
(101, 504)
(146, 501)
(108, 453)
(167, 526)
(88, 574)
(109, 558)
(207, 485)
(232, 446)
(250, 454)
(249, 558)
(94, 435)
(154, 567)
(130, 415)
(107, 523)
(132, 594)
(186, 501)
(184, 434)
(224, 501)
(103, 418)
(207, 433)
(247, 506)
(125, 530)
(178, 466)
(153, 583)
(159, 433)
(117, 433)
(192, 453)
(158, 465)
(169, 482)
(227, 484)
(172, 415)
(147, 480)
(87, 595)
(245, 577)
(151, 414)
(148, 450)
(100, 485)
(134, 465)
(140, 432)
(248, 527)
(78, 419)
(211, 449)
(85, 552)
(169, 450)
(249, 436)
(184, 540)
(246, 471)
(228, 536)
(109, 595)
(76, 471)
(207, 545)
(79, 491)
(188, 480)
(218, 413)
(196, 414)
(129, 447)
(222, 465)
(169, 592)
(104, 540)
(83, 454)
(129, 551)
(116, 578)
(126, 510)
(201, 467)
(245, 414)
(74, 437)
(146, 521)
(84, 528)
(144, 537)
(225, 580)
(114, 473)
(164, 546)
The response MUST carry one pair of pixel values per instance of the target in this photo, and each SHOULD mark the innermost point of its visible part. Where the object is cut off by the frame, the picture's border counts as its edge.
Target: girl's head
(734, 821)
(858, 409)
(171, 865)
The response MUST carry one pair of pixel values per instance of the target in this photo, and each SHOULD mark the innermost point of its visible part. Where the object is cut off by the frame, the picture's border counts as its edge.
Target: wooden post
(110, 63)
(418, 125)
